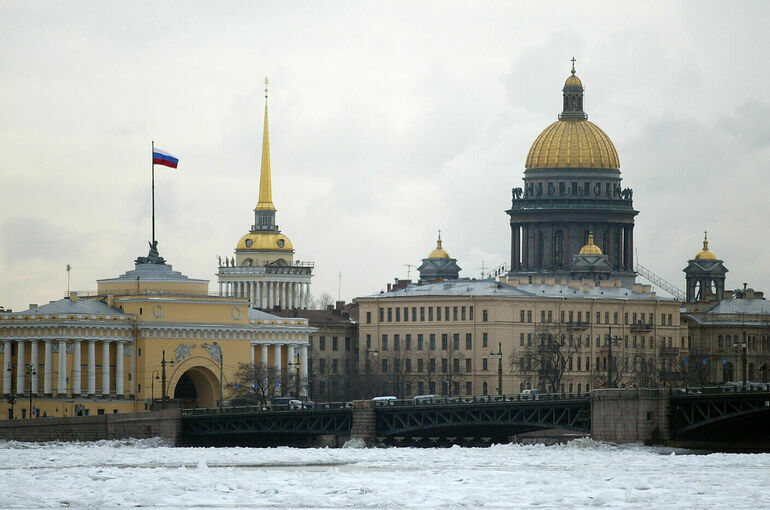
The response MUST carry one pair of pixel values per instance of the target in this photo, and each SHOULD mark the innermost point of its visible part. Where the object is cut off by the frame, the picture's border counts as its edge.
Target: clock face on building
(249, 242)
(280, 243)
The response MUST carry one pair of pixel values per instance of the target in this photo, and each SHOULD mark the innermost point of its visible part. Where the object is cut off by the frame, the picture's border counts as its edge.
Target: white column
(33, 364)
(105, 368)
(291, 294)
(119, 361)
(303, 370)
(20, 383)
(307, 296)
(7, 367)
(220, 287)
(92, 367)
(132, 368)
(48, 370)
(269, 297)
(251, 350)
(76, 372)
(61, 387)
(277, 364)
(282, 295)
(291, 368)
(264, 355)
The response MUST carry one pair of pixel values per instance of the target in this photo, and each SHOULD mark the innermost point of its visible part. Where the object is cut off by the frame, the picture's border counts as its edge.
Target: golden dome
(439, 252)
(705, 253)
(265, 241)
(573, 143)
(573, 81)
(590, 248)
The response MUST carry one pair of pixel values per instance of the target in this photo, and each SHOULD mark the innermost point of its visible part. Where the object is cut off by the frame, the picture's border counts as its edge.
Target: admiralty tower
(572, 188)
(264, 270)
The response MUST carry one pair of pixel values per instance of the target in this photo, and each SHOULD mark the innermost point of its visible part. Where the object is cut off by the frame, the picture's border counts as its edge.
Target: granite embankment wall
(166, 424)
(630, 415)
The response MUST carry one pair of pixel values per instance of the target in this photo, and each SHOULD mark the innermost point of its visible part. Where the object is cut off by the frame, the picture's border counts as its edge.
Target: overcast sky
(388, 121)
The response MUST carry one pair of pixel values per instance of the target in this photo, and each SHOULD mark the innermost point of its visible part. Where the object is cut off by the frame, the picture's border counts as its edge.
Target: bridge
(490, 417)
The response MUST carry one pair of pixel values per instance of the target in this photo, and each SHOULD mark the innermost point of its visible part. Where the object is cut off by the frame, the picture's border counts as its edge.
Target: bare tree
(647, 374)
(694, 369)
(323, 301)
(252, 384)
(615, 378)
(426, 368)
(398, 375)
(545, 362)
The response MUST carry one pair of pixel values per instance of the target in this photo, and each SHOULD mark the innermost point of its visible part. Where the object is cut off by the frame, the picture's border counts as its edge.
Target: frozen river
(582, 474)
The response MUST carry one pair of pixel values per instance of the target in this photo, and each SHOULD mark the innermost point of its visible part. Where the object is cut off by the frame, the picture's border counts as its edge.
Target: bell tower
(705, 275)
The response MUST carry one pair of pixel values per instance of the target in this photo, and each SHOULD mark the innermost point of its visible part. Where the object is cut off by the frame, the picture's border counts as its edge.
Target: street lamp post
(154, 377)
(30, 372)
(163, 363)
(499, 355)
(220, 355)
(744, 345)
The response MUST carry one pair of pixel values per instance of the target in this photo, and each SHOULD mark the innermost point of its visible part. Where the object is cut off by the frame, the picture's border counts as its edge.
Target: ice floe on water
(580, 474)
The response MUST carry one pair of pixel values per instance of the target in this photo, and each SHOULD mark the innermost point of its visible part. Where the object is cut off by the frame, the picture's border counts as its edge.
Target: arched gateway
(196, 386)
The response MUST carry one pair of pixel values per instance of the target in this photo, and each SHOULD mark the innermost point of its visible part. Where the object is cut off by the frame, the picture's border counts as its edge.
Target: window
(347, 344)
(562, 316)
(444, 341)
(456, 341)
(414, 314)
(408, 365)
(570, 316)
(468, 388)
(625, 318)
(432, 342)
(606, 317)
(419, 342)
(468, 364)
(335, 366)
(484, 364)
(335, 344)
(598, 317)
(529, 315)
(396, 366)
(588, 365)
(521, 315)
(470, 312)
(446, 313)
(444, 365)
(615, 317)
(521, 340)
(542, 315)
(579, 359)
(462, 313)
(368, 341)
(580, 317)
(384, 344)
(368, 317)
(420, 364)
(670, 323)
(484, 316)
(529, 339)
(398, 314)
(390, 314)
(438, 313)
(322, 343)
(432, 365)
(322, 365)
(456, 365)
(396, 342)
(384, 366)
(663, 319)
(382, 314)
(485, 339)
(468, 341)
(422, 313)
(420, 387)
(406, 313)
(408, 343)
(454, 313)
(550, 316)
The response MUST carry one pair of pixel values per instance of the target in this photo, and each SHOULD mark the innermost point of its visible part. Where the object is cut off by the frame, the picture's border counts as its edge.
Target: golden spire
(265, 190)
(573, 65)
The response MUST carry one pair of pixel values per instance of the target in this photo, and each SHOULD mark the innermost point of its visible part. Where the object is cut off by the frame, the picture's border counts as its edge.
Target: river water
(581, 474)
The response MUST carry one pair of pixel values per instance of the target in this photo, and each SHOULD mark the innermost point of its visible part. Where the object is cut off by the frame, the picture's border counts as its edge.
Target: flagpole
(152, 156)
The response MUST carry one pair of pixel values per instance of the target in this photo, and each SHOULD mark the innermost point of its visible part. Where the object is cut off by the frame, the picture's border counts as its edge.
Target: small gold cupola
(590, 248)
(705, 253)
(439, 252)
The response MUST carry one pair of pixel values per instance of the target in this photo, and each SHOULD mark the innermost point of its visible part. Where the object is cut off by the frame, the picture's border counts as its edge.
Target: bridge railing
(485, 399)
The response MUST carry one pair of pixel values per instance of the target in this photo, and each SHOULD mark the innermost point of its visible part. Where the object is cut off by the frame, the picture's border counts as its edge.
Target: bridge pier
(630, 415)
(364, 422)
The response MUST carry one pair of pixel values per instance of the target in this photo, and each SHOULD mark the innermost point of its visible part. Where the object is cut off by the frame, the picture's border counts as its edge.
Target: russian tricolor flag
(161, 157)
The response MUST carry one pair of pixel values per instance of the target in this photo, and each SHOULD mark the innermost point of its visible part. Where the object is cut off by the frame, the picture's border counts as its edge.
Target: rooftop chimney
(73, 297)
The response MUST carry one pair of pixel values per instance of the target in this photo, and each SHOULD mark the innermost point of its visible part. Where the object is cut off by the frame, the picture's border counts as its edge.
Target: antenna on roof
(482, 269)
(408, 269)
(339, 289)
(69, 268)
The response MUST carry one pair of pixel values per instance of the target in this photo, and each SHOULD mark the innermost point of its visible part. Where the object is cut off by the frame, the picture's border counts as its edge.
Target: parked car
(281, 402)
(427, 399)
(295, 404)
(308, 404)
(532, 394)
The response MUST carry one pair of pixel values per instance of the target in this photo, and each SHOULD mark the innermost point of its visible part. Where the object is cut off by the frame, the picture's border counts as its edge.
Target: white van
(427, 399)
(530, 394)
(387, 400)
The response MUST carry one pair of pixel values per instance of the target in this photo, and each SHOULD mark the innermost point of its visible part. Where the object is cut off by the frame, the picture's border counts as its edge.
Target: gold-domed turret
(572, 141)
(439, 252)
(705, 253)
(590, 248)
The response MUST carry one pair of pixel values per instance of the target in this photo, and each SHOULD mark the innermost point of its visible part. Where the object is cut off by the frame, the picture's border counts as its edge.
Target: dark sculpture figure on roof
(153, 257)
